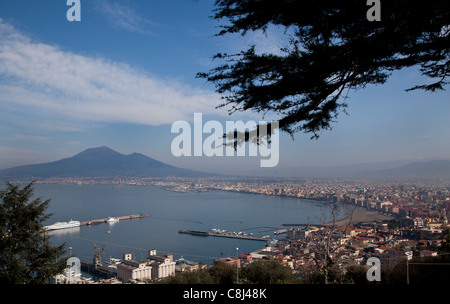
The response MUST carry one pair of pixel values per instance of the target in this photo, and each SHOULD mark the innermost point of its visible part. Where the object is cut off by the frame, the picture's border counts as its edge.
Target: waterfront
(168, 212)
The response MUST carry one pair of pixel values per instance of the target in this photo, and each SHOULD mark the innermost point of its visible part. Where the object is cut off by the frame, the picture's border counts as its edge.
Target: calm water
(168, 213)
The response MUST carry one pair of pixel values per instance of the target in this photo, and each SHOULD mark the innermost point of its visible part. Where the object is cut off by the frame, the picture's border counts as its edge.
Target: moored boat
(112, 220)
(62, 225)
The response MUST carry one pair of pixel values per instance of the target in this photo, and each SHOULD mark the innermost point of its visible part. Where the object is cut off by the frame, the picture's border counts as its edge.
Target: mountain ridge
(101, 162)
(398, 169)
(434, 169)
(106, 162)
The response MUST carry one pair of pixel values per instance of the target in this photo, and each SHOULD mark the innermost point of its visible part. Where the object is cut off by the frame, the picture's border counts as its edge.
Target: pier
(120, 218)
(259, 227)
(294, 225)
(100, 271)
(228, 235)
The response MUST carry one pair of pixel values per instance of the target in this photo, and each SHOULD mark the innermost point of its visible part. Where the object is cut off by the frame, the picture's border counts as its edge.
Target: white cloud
(125, 17)
(38, 76)
(40, 139)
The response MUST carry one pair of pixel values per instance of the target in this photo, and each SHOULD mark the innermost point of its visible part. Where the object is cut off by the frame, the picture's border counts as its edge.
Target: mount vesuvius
(100, 162)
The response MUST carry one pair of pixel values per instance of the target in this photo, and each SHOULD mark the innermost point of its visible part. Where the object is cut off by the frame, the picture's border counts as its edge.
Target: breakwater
(228, 235)
(118, 218)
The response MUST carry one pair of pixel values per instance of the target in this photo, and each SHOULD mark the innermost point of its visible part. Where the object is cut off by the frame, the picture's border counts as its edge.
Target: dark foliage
(333, 49)
(423, 271)
(26, 257)
(258, 272)
(267, 272)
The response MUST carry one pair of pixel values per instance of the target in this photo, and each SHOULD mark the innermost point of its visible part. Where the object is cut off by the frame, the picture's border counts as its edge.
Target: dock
(206, 233)
(120, 218)
(99, 271)
(294, 225)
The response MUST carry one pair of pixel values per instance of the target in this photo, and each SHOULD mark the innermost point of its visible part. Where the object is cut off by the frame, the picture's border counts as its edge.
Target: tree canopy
(257, 272)
(26, 256)
(332, 49)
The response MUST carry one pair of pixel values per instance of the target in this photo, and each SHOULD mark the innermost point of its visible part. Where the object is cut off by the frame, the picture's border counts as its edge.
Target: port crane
(98, 256)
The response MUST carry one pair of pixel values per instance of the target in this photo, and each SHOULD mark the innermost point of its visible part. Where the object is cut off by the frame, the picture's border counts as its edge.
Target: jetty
(228, 235)
(119, 218)
(99, 270)
(305, 225)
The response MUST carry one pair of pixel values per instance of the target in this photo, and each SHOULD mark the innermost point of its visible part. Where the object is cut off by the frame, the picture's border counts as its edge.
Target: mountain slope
(100, 162)
(437, 169)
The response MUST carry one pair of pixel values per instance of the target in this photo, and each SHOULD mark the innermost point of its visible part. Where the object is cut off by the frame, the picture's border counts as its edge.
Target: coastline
(361, 215)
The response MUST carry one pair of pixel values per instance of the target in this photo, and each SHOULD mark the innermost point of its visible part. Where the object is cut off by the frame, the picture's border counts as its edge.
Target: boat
(182, 260)
(281, 231)
(112, 220)
(113, 262)
(62, 225)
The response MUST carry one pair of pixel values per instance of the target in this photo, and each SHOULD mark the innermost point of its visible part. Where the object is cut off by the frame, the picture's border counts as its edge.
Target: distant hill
(100, 162)
(399, 169)
(437, 169)
(105, 162)
(343, 171)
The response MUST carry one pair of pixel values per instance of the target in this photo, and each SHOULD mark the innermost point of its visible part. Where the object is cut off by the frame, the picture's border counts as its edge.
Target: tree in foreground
(445, 248)
(267, 272)
(257, 272)
(26, 257)
(327, 243)
(332, 48)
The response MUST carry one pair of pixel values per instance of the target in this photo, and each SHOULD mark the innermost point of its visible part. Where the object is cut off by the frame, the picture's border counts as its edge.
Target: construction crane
(98, 256)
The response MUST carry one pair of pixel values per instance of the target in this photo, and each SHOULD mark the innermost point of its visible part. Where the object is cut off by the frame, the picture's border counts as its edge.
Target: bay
(168, 212)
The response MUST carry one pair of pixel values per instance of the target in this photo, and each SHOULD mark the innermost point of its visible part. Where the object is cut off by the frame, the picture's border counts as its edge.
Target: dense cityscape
(394, 221)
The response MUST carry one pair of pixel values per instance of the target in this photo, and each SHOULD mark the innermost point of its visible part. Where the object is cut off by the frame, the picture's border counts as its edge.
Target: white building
(162, 266)
(131, 269)
(154, 267)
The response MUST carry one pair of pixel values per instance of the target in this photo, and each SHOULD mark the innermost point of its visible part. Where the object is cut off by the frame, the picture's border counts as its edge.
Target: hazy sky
(126, 72)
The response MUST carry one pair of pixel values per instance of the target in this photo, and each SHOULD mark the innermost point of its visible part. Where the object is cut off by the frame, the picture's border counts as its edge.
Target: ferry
(62, 225)
(112, 220)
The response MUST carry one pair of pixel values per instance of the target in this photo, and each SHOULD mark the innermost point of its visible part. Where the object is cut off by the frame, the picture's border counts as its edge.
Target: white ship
(112, 220)
(62, 225)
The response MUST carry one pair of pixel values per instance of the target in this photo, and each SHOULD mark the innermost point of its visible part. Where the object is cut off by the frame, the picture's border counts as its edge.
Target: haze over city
(124, 74)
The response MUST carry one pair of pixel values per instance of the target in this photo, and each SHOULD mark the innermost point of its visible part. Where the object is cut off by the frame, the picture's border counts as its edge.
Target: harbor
(227, 234)
(168, 216)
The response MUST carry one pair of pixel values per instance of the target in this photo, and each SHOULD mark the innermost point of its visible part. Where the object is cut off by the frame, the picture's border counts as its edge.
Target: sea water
(168, 212)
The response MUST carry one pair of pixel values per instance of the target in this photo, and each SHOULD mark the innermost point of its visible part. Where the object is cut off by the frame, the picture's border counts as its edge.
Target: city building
(153, 268)
(162, 266)
(132, 270)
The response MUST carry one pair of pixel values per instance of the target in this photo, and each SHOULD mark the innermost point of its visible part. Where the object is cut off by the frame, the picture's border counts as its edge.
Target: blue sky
(126, 72)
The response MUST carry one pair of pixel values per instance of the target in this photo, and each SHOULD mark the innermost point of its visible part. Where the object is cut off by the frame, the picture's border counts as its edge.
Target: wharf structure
(77, 224)
(118, 218)
(228, 235)
(98, 270)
